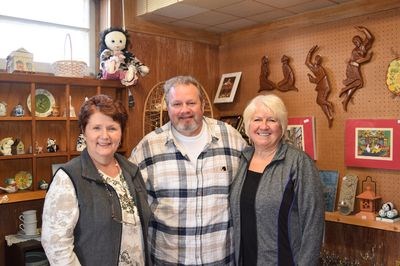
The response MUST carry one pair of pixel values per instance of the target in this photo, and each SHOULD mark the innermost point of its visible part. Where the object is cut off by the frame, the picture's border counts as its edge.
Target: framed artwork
(330, 181)
(301, 133)
(227, 87)
(234, 120)
(373, 143)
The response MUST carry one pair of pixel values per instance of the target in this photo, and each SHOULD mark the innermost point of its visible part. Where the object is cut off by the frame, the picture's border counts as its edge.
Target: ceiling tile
(244, 9)
(227, 15)
(237, 24)
(271, 16)
(282, 3)
(179, 11)
(213, 4)
(211, 18)
(309, 6)
(157, 18)
(188, 24)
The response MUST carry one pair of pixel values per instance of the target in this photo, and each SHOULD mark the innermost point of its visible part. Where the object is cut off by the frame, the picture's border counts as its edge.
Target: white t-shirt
(192, 146)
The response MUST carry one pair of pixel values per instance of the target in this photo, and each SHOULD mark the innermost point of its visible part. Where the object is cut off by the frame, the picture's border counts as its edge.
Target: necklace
(111, 169)
(125, 198)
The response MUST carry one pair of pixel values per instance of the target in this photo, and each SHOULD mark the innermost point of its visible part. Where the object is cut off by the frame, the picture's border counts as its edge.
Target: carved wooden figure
(320, 78)
(359, 55)
(287, 83)
(265, 83)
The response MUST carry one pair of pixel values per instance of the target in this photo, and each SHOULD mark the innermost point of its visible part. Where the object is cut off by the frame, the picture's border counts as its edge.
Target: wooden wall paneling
(367, 246)
(167, 57)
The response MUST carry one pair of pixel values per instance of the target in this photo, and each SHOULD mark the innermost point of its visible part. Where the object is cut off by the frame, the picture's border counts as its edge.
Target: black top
(248, 245)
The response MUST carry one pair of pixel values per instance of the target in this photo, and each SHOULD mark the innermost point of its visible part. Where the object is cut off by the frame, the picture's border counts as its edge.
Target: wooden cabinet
(36, 126)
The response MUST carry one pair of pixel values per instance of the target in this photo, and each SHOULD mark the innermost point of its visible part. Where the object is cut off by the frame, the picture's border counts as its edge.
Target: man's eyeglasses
(113, 215)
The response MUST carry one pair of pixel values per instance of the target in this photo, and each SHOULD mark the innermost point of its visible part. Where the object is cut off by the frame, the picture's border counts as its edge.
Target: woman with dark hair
(96, 211)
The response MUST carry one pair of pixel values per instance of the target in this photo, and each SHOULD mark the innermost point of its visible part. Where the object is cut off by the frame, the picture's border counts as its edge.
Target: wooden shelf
(354, 220)
(34, 130)
(24, 196)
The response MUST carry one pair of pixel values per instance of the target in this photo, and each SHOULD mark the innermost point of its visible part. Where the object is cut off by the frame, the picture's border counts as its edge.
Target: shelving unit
(31, 129)
(354, 220)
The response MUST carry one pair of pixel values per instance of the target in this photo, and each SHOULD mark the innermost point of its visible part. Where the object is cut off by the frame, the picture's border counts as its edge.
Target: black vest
(97, 237)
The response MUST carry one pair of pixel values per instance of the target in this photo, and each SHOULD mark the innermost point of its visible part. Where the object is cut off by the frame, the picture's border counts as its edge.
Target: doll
(116, 62)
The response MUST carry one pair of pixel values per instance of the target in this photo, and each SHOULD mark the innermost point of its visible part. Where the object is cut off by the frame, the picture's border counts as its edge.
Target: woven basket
(69, 68)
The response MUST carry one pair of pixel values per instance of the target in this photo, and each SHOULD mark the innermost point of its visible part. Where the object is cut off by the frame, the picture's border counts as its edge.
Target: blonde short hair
(273, 103)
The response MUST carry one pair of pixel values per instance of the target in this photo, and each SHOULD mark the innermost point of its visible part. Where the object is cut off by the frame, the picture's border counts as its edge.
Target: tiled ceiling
(221, 16)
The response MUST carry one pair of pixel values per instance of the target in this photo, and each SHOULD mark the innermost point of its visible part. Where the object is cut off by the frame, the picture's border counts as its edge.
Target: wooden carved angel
(265, 83)
(322, 83)
(287, 83)
(359, 55)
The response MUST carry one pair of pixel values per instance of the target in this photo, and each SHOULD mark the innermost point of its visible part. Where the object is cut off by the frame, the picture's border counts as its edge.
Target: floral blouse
(61, 213)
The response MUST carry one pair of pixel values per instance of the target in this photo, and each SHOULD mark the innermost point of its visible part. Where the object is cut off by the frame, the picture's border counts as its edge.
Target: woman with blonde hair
(276, 198)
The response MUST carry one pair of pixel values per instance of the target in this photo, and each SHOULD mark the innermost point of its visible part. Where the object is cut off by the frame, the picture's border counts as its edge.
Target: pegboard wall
(373, 101)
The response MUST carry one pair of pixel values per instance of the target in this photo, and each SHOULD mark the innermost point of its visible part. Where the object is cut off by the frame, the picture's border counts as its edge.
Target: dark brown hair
(107, 106)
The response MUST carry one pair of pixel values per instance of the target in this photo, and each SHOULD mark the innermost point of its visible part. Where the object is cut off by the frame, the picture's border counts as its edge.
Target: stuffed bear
(116, 62)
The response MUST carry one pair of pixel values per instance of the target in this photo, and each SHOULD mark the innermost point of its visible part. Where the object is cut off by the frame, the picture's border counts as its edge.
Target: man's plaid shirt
(192, 223)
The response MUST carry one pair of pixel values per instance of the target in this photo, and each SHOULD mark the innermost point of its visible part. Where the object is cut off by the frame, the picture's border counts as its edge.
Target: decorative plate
(44, 102)
(23, 179)
(393, 77)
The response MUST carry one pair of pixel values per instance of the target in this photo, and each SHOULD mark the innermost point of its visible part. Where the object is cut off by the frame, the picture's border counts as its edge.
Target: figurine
(18, 110)
(51, 145)
(80, 143)
(287, 83)
(5, 146)
(55, 111)
(43, 184)
(71, 108)
(359, 55)
(388, 210)
(3, 108)
(265, 83)
(322, 83)
(18, 147)
(38, 149)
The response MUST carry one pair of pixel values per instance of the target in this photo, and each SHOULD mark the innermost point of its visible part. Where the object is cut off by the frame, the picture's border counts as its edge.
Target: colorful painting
(373, 143)
(301, 133)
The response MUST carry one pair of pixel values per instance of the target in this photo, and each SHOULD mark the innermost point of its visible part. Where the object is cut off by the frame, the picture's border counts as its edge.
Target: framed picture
(227, 87)
(373, 143)
(234, 120)
(300, 132)
(330, 182)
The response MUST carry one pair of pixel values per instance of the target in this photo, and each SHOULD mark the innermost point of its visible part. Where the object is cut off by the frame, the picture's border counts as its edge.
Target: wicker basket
(69, 68)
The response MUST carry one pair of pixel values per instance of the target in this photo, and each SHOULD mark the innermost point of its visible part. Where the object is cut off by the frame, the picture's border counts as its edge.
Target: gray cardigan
(289, 206)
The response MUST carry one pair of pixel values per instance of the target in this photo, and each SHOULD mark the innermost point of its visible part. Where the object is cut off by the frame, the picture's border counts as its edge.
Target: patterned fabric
(192, 223)
(131, 251)
(61, 213)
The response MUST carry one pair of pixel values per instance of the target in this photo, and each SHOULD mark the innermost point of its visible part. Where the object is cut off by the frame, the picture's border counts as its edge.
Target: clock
(3, 108)
(347, 194)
